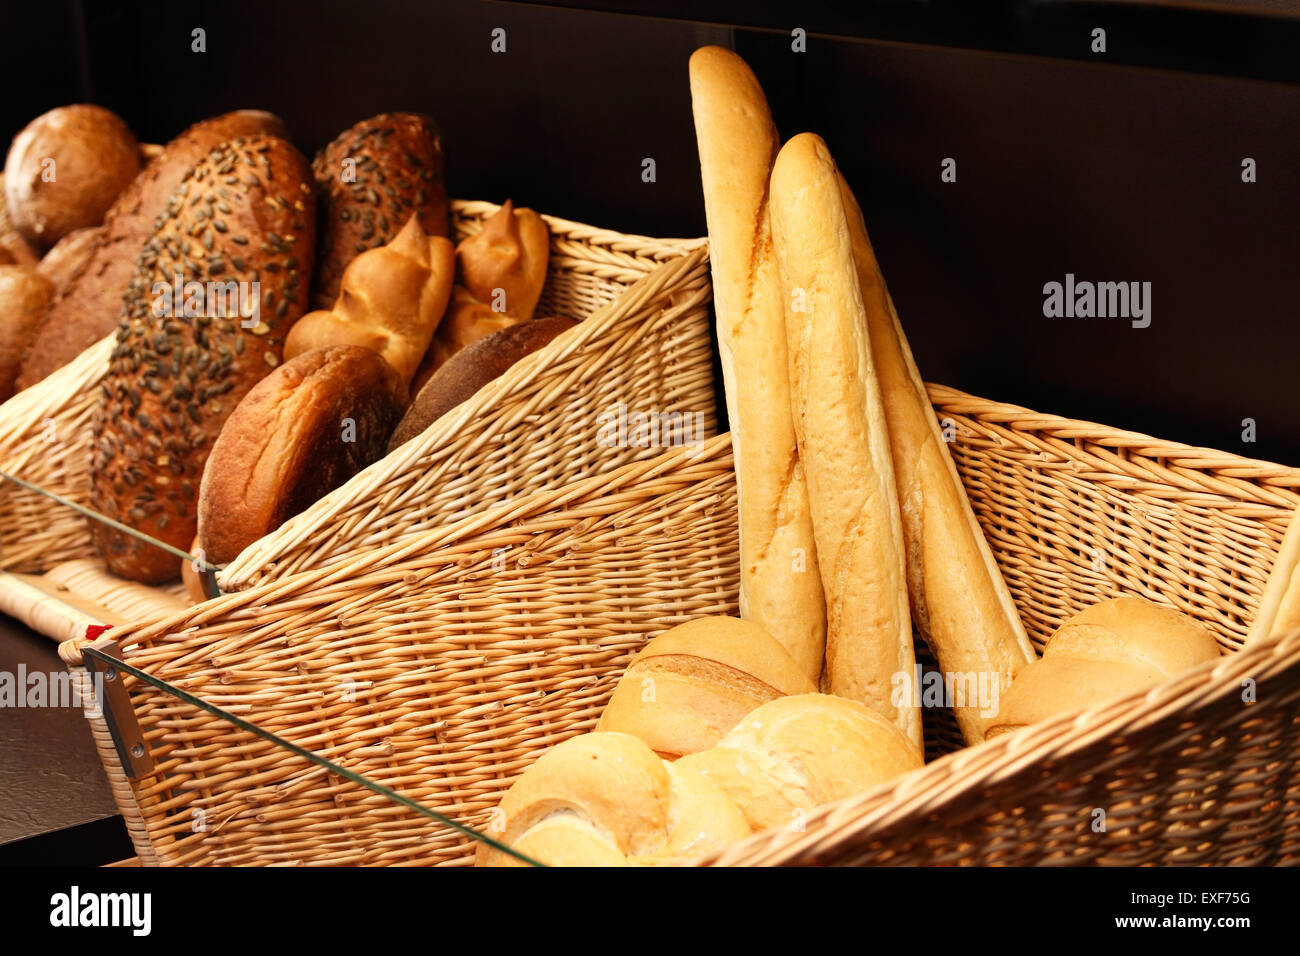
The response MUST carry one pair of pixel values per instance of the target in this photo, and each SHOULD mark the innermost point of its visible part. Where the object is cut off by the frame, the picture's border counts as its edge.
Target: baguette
(780, 585)
(1279, 606)
(960, 603)
(843, 440)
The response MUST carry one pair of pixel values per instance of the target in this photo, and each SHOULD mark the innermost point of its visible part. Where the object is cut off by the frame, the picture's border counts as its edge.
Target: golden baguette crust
(690, 685)
(960, 604)
(780, 586)
(843, 438)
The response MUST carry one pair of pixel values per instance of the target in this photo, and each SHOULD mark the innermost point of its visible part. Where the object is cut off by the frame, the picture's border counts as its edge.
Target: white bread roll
(960, 603)
(796, 753)
(780, 586)
(685, 689)
(839, 421)
(1111, 649)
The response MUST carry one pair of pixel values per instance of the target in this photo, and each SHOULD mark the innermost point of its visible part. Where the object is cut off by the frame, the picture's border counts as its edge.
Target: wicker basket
(471, 674)
(644, 341)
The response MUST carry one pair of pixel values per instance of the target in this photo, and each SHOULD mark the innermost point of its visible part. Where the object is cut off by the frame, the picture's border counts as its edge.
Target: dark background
(1121, 167)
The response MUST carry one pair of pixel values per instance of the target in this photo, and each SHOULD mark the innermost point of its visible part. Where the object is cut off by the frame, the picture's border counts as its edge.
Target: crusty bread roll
(839, 420)
(960, 604)
(502, 270)
(181, 366)
(65, 169)
(1279, 605)
(470, 369)
(1111, 649)
(690, 685)
(390, 301)
(605, 799)
(796, 753)
(88, 307)
(373, 177)
(298, 434)
(69, 254)
(24, 295)
(780, 585)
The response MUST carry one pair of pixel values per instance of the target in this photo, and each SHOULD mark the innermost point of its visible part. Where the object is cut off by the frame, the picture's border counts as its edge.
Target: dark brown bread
(244, 217)
(65, 170)
(301, 432)
(88, 306)
(398, 168)
(470, 369)
(24, 294)
(69, 254)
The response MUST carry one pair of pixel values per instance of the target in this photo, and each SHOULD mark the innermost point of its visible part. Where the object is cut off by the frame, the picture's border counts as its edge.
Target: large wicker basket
(470, 672)
(644, 342)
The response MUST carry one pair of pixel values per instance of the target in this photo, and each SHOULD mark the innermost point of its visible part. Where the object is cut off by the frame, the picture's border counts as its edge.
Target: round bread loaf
(213, 295)
(605, 799)
(87, 308)
(470, 369)
(372, 177)
(65, 169)
(24, 295)
(689, 686)
(299, 433)
(1111, 649)
(796, 753)
(69, 254)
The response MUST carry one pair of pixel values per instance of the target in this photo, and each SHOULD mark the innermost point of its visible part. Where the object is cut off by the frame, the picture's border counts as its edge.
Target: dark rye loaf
(398, 169)
(246, 214)
(86, 308)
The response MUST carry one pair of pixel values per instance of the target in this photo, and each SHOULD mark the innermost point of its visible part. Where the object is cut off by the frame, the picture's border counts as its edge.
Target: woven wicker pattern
(660, 361)
(439, 666)
(1185, 773)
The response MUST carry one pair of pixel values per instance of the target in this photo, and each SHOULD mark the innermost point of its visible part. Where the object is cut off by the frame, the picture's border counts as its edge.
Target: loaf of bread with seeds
(214, 293)
(86, 307)
(372, 177)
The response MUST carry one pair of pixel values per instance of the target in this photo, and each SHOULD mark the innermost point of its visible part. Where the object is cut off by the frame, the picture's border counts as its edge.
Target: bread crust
(298, 434)
(780, 583)
(839, 421)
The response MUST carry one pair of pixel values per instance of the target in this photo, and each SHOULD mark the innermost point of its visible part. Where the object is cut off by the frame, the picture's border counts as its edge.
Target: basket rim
(1182, 457)
(906, 800)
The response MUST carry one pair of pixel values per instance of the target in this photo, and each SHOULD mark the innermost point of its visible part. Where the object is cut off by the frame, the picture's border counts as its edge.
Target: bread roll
(69, 254)
(390, 302)
(470, 369)
(605, 799)
(241, 227)
(88, 307)
(780, 584)
(690, 685)
(298, 434)
(24, 294)
(502, 270)
(65, 169)
(960, 604)
(839, 420)
(1111, 649)
(372, 178)
(796, 753)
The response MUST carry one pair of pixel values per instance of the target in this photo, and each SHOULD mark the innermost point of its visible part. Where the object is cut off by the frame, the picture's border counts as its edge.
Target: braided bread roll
(390, 301)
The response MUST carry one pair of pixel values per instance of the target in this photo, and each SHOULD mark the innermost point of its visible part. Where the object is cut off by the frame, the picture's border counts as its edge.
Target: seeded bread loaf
(372, 177)
(242, 224)
(87, 307)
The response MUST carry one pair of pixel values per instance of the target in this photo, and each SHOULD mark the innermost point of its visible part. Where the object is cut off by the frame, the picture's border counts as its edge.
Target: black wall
(1095, 165)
